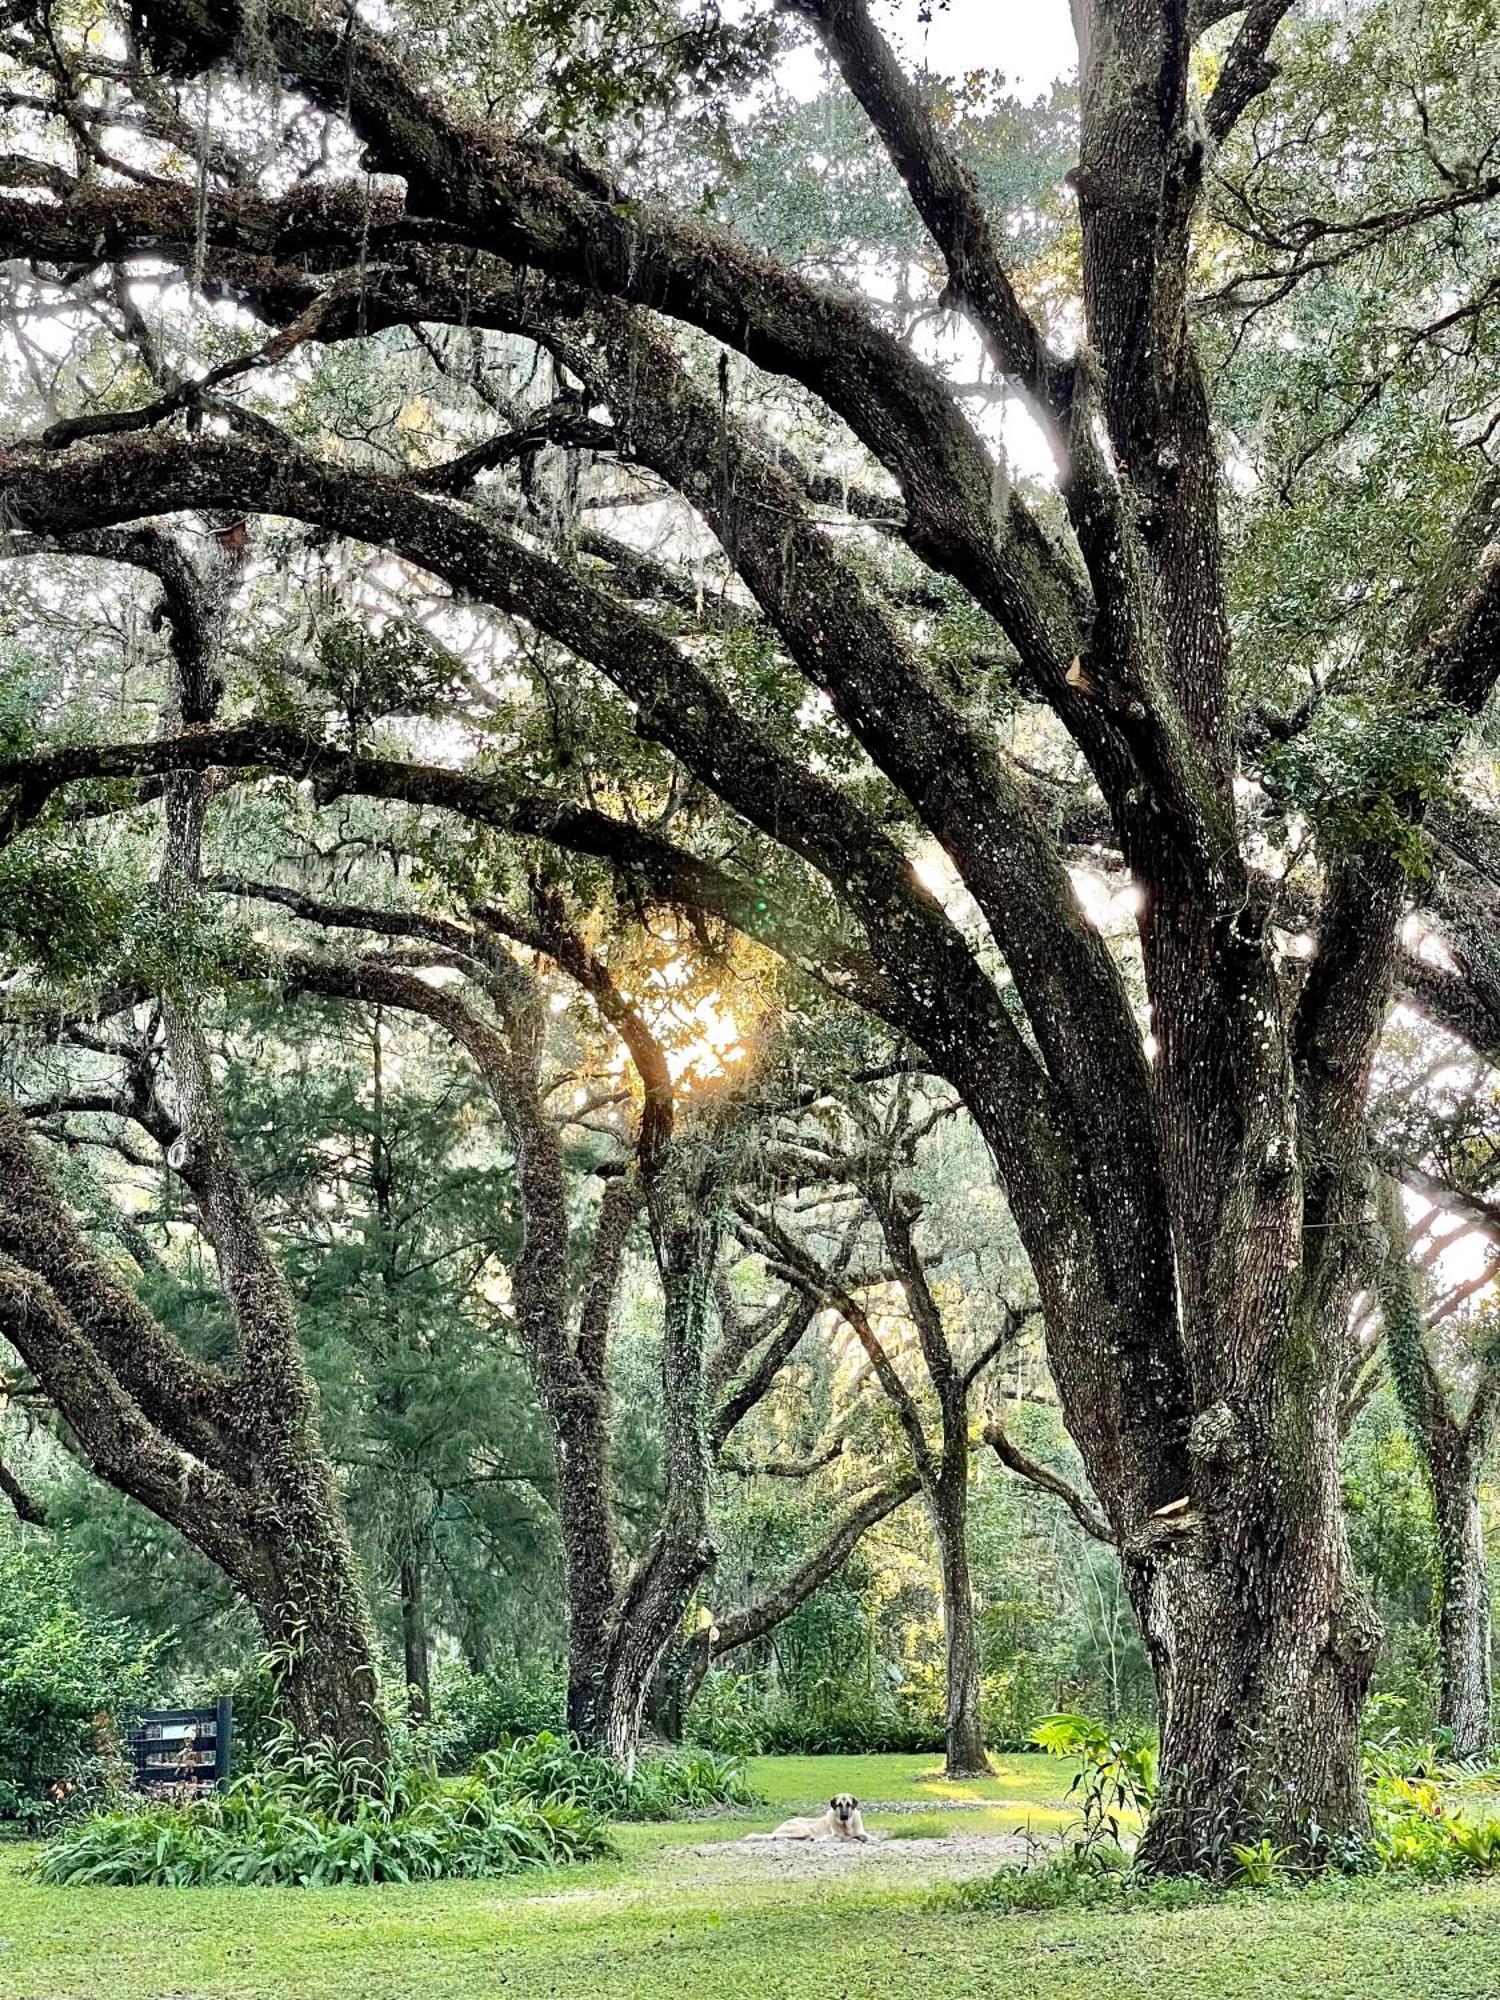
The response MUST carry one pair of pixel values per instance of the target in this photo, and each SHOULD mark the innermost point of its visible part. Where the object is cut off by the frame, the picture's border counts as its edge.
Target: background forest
(392, 1208)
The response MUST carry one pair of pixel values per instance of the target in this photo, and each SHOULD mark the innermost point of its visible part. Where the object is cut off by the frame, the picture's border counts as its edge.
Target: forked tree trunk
(648, 1621)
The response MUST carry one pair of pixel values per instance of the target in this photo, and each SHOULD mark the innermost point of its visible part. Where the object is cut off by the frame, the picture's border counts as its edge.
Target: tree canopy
(717, 622)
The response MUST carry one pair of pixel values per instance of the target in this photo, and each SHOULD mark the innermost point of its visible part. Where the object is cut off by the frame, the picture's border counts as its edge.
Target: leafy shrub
(1261, 1864)
(68, 1679)
(553, 1767)
(727, 1714)
(1390, 1750)
(1117, 1774)
(473, 1713)
(838, 1722)
(1077, 1879)
(311, 1822)
(737, 1714)
(1417, 1833)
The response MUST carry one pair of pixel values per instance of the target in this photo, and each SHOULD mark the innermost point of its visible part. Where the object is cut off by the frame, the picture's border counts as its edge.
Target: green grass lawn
(798, 1782)
(1025, 1793)
(664, 1921)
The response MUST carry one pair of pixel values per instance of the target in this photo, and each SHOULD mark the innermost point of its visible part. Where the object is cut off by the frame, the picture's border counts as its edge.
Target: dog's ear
(834, 1800)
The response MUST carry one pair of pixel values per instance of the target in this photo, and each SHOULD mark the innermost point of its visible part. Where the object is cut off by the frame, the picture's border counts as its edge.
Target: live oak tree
(229, 1455)
(659, 1163)
(1198, 1213)
(227, 1452)
(933, 1403)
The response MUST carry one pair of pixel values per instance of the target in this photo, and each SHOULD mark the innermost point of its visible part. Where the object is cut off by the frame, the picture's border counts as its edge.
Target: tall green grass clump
(552, 1766)
(315, 1820)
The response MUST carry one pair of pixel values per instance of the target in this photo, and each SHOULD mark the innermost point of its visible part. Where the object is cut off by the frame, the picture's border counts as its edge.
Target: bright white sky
(1030, 40)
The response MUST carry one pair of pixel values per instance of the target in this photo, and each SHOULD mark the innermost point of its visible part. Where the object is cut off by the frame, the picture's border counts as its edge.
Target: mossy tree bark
(230, 1458)
(254, 1487)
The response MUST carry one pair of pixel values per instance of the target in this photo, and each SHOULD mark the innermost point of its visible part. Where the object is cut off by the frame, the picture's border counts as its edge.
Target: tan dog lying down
(840, 1822)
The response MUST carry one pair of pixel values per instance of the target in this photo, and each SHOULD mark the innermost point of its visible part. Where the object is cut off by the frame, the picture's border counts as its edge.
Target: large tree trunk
(1261, 1641)
(306, 1592)
(648, 1620)
(949, 1510)
(576, 1398)
(686, 1226)
(1464, 1620)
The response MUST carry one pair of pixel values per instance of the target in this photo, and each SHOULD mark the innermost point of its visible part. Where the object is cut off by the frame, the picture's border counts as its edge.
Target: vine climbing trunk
(305, 1588)
(1261, 1667)
(1465, 1703)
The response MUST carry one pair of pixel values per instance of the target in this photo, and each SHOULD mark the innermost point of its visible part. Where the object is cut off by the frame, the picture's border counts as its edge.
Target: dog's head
(844, 1806)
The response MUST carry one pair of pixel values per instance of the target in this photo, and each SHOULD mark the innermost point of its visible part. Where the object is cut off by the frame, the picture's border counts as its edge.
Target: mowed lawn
(665, 1920)
(798, 1782)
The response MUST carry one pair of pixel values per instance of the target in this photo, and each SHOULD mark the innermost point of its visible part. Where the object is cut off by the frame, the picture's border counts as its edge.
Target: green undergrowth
(1074, 1880)
(309, 1821)
(549, 1766)
(271, 1828)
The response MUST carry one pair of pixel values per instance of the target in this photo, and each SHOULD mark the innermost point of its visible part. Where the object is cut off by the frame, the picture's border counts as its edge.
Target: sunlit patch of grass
(930, 1826)
(800, 1782)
